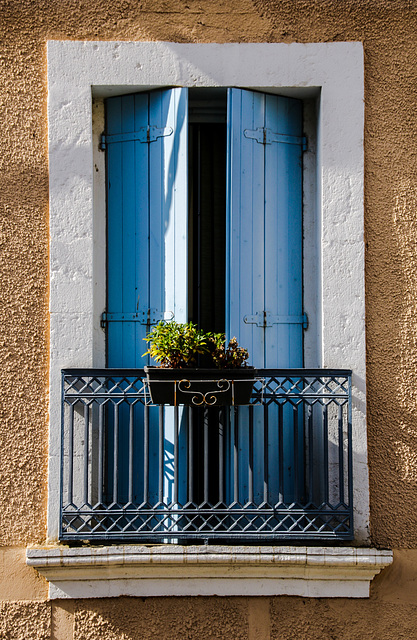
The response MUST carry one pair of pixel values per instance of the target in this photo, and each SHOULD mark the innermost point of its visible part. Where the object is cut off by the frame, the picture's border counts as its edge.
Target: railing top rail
(261, 372)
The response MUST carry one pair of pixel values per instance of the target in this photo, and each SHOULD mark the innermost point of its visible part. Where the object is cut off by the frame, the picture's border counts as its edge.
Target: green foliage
(179, 345)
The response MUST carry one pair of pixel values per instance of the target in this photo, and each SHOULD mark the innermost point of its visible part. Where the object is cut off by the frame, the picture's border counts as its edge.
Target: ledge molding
(173, 570)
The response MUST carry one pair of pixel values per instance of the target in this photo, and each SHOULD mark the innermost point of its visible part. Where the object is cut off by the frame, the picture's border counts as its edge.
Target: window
(75, 70)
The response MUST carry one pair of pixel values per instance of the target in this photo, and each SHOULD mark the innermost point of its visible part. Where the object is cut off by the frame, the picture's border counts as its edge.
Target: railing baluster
(296, 470)
(161, 455)
(222, 427)
(250, 467)
(326, 452)
(310, 452)
(86, 452)
(146, 454)
(190, 455)
(71, 454)
(349, 469)
(341, 470)
(116, 454)
(266, 453)
(206, 454)
(281, 452)
(131, 422)
(176, 457)
(100, 452)
(236, 455)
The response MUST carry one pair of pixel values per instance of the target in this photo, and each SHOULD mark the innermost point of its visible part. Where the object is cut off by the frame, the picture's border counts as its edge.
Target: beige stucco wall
(388, 30)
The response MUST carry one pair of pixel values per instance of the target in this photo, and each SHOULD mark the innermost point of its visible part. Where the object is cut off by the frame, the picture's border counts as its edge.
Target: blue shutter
(264, 227)
(264, 262)
(147, 218)
(146, 142)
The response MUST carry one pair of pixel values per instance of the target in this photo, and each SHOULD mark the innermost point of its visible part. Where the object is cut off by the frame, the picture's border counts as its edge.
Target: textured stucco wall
(21, 620)
(388, 30)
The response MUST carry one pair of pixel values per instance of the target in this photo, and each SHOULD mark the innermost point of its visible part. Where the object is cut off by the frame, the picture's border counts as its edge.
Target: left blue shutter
(146, 216)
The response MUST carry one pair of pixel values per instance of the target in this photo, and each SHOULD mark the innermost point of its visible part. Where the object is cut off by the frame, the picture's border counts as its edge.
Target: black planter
(200, 387)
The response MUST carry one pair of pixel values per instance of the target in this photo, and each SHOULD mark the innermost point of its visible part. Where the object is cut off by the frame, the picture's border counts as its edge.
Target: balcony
(278, 470)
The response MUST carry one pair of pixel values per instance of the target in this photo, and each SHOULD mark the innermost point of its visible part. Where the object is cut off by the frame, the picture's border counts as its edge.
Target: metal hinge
(266, 319)
(145, 134)
(262, 135)
(147, 317)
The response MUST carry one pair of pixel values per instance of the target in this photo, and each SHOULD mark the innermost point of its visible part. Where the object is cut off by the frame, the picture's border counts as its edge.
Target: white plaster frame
(79, 70)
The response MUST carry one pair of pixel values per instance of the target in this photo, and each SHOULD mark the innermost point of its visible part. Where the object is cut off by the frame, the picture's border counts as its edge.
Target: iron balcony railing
(279, 469)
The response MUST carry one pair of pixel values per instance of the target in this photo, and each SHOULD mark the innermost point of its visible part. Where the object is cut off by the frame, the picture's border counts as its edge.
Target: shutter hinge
(266, 319)
(147, 317)
(262, 135)
(145, 134)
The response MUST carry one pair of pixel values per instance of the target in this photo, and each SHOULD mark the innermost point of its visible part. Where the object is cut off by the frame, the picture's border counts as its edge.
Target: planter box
(200, 387)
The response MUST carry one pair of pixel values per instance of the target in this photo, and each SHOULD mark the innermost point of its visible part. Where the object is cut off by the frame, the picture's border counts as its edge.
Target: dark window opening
(207, 208)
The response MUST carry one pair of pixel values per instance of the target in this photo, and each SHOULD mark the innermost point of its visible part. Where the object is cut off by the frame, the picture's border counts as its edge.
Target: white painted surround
(333, 72)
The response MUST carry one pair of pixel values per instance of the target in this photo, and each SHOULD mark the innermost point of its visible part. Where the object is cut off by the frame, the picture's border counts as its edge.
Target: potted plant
(222, 377)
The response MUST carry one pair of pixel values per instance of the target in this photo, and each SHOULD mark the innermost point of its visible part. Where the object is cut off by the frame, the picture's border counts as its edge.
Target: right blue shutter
(264, 227)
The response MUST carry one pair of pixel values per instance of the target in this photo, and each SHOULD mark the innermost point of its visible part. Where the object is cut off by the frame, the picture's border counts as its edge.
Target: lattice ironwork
(278, 469)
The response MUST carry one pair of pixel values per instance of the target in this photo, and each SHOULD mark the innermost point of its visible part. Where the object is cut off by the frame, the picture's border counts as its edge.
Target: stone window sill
(173, 570)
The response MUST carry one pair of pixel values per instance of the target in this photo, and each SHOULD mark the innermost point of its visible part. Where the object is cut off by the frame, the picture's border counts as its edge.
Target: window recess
(204, 198)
